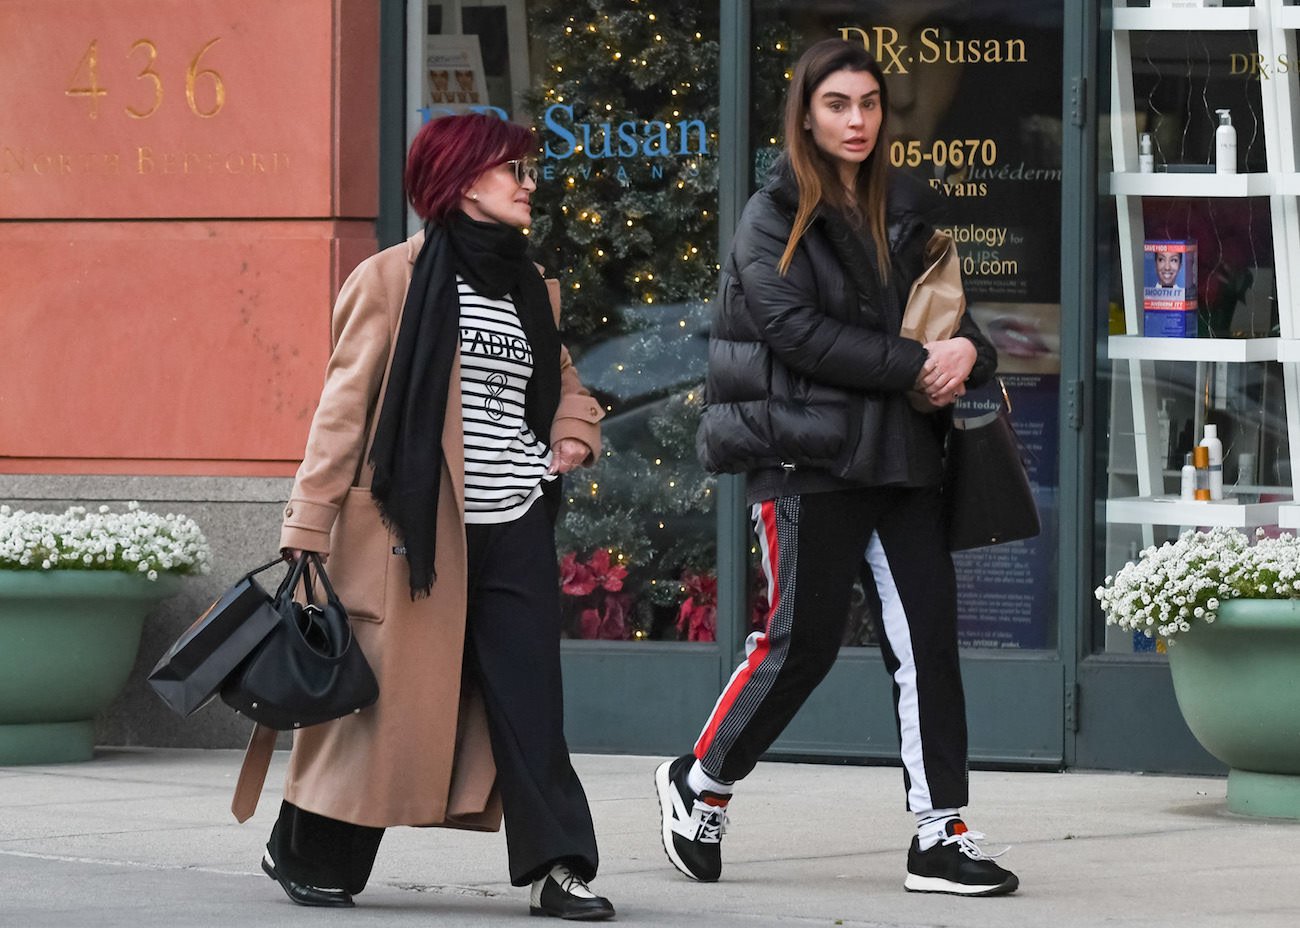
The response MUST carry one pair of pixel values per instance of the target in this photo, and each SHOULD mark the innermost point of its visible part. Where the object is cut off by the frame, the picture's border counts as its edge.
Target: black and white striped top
(505, 463)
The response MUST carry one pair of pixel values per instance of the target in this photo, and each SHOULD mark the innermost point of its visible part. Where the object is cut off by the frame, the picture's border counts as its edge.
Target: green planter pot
(68, 641)
(1236, 686)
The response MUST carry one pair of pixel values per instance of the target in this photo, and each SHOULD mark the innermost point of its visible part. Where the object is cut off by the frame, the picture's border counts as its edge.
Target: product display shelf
(1230, 350)
(1270, 21)
(1288, 516)
(1288, 350)
(1170, 510)
(1207, 184)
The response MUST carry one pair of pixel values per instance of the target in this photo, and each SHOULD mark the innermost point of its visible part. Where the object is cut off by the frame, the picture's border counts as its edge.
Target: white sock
(699, 781)
(930, 825)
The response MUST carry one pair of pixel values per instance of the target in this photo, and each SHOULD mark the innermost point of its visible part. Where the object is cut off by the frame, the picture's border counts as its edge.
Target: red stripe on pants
(756, 655)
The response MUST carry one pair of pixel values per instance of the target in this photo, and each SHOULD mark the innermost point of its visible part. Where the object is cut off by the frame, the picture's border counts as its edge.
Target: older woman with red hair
(431, 478)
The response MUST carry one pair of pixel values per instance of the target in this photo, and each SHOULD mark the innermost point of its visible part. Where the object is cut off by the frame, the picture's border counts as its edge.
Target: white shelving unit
(1193, 185)
(1274, 25)
(1232, 350)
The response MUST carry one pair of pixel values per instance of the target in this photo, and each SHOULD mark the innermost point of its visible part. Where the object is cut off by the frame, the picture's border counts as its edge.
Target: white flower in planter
(1183, 582)
(135, 541)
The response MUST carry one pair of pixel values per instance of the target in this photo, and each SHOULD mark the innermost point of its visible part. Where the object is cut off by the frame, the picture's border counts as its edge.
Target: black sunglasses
(525, 170)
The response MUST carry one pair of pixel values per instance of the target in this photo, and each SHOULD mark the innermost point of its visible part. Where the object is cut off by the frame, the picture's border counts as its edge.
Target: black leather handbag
(309, 669)
(987, 499)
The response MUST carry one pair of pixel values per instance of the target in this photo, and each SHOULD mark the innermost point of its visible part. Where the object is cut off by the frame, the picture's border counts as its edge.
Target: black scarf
(407, 453)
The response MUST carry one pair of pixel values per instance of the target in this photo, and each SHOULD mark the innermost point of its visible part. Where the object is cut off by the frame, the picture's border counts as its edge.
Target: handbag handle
(330, 595)
(331, 599)
(267, 566)
(291, 578)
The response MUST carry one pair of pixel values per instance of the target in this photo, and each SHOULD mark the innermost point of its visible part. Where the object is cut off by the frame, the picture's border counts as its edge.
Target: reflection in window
(625, 101)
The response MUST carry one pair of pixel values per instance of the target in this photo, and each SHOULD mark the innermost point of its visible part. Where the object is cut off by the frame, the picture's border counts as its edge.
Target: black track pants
(812, 547)
(512, 649)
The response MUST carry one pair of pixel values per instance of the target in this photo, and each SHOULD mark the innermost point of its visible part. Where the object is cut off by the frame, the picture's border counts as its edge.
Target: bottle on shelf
(1146, 154)
(1201, 462)
(1225, 144)
(1187, 489)
(1214, 454)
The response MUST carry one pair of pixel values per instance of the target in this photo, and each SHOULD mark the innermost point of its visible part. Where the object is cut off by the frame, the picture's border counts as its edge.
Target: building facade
(182, 192)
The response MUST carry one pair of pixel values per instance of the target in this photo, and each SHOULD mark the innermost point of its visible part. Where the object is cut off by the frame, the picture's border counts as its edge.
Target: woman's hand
(295, 554)
(943, 379)
(566, 454)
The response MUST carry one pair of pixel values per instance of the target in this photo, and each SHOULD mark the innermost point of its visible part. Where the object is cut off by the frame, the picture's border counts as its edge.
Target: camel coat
(421, 755)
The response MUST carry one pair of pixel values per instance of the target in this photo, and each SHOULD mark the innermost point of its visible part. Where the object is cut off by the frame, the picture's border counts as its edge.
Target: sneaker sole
(934, 884)
(662, 786)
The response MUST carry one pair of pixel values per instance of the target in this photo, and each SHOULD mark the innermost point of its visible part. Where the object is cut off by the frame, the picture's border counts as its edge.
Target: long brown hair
(814, 170)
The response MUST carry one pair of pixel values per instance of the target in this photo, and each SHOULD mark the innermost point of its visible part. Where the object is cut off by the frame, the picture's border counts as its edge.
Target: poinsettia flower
(607, 576)
(608, 623)
(697, 621)
(701, 587)
(575, 579)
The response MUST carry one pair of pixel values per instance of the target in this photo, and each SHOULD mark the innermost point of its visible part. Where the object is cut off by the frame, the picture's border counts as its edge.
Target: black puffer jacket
(807, 372)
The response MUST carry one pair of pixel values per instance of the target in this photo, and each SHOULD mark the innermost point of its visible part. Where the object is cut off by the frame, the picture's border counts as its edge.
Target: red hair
(450, 153)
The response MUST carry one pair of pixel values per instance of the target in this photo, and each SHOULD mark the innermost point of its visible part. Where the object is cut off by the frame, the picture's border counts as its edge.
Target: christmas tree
(626, 217)
(628, 212)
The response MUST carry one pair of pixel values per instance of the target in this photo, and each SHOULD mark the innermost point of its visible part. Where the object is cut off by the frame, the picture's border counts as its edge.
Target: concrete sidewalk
(144, 838)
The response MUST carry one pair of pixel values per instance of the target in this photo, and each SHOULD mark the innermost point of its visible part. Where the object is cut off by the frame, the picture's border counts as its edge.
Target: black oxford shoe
(303, 894)
(564, 894)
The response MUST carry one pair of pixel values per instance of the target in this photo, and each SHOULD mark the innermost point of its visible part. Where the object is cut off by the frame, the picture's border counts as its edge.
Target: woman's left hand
(566, 454)
(944, 376)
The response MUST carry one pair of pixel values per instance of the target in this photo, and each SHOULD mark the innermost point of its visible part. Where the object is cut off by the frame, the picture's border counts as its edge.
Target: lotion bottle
(1225, 144)
(1188, 486)
(1214, 447)
(1146, 155)
(1201, 462)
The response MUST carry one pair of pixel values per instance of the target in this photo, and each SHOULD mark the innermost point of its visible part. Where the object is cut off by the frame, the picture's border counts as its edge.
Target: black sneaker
(693, 823)
(957, 865)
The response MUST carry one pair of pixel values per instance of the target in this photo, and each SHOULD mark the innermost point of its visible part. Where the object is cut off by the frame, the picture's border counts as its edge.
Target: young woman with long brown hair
(807, 395)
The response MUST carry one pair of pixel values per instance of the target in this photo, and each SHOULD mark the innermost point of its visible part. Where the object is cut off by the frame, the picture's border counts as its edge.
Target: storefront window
(975, 101)
(624, 100)
(1200, 348)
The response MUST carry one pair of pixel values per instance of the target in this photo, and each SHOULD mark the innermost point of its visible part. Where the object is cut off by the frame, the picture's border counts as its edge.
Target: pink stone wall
(183, 186)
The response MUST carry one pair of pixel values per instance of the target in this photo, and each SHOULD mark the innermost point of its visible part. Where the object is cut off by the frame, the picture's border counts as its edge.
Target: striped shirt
(505, 463)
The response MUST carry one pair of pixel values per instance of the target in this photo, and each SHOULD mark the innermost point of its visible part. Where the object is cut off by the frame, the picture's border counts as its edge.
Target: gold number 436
(90, 87)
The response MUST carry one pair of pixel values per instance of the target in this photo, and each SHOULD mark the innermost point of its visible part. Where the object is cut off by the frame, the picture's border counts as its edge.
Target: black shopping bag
(193, 669)
(987, 498)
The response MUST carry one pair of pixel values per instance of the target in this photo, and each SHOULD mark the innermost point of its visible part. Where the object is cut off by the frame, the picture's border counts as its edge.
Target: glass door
(975, 111)
(624, 100)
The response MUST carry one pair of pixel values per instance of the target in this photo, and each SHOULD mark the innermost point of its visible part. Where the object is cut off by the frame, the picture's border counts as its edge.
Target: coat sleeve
(804, 337)
(579, 413)
(361, 330)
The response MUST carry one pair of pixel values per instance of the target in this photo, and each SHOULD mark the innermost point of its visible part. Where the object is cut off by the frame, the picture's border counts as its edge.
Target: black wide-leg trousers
(512, 649)
(811, 549)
